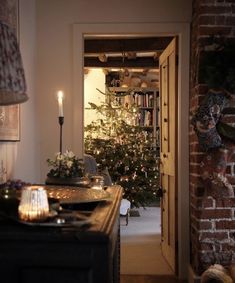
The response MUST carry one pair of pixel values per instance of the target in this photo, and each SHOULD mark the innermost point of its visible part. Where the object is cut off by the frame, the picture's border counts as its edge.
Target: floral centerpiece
(66, 169)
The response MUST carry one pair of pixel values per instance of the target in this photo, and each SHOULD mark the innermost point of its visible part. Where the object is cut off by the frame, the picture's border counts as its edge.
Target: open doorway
(129, 67)
(182, 30)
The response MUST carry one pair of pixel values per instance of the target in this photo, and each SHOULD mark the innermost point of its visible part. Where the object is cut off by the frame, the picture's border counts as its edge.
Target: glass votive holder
(33, 205)
(97, 182)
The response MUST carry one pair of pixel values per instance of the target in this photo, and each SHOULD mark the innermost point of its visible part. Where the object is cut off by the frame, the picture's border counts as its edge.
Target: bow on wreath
(217, 140)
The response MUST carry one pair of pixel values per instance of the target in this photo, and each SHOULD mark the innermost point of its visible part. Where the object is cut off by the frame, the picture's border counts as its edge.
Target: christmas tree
(127, 150)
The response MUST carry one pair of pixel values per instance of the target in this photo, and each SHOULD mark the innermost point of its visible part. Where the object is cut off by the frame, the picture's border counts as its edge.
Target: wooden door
(168, 154)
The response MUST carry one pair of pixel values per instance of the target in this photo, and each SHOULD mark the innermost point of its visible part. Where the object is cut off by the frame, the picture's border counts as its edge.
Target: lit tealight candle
(97, 182)
(33, 204)
(60, 97)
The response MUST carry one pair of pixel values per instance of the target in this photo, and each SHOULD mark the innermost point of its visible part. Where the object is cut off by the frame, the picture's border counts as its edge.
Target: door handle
(164, 155)
(160, 192)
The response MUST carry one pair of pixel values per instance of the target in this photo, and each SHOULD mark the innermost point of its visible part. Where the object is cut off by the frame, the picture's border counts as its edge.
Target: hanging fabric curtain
(12, 78)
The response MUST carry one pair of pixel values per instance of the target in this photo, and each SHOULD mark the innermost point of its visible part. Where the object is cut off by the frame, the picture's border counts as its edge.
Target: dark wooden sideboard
(33, 254)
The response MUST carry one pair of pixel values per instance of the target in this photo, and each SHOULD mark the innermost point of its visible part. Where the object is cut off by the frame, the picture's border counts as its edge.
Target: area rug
(140, 245)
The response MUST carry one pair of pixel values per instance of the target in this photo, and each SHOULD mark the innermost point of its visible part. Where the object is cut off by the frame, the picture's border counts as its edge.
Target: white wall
(94, 80)
(21, 158)
(55, 19)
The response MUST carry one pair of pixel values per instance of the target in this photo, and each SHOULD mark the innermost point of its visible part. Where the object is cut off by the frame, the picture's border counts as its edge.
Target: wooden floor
(149, 279)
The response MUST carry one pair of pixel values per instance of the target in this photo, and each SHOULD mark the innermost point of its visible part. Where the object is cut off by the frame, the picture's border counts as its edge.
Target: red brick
(195, 147)
(227, 247)
(229, 170)
(218, 10)
(231, 179)
(207, 1)
(204, 225)
(193, 138)
(191, 130)
(232, 158)
(230, 20)
(213, 236)
(201, 98)
(220, 20)
(196, 158)
(207, 203)
(213, 213)
(198, 191)
(225, 202)
(196, 202)
(218, 30)
(195, 168)
(194, 102)
(204, 40)
(205, 247)
(223, 224)
(206, 20)
(228, 119)
(202, 89)
(202, 202)
(194, 179)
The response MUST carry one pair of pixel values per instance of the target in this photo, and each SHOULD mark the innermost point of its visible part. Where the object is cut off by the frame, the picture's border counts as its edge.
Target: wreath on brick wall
(217, 139)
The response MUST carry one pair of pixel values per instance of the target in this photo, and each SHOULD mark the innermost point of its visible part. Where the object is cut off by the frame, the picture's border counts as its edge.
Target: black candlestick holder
(61, 122)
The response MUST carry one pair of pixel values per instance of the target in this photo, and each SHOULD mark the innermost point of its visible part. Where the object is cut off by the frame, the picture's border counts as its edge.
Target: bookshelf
(147, 101)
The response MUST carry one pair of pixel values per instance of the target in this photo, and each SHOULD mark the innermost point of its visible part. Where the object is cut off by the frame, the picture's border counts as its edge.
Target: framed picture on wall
(10, 123)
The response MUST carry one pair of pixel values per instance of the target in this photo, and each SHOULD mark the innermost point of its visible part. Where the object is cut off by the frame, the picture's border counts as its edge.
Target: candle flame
(60, 95)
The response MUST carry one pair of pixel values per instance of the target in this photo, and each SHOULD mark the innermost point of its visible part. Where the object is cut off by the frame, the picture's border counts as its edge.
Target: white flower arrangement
(66, 165)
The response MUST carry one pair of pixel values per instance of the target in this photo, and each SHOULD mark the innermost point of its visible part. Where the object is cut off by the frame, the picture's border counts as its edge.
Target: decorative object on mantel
(67, 169)
(12, 78)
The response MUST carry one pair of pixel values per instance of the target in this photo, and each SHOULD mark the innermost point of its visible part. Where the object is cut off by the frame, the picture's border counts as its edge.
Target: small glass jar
(33, 205)
(97, 182)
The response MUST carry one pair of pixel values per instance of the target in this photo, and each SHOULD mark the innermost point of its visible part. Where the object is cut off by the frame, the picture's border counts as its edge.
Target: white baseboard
(192, 277)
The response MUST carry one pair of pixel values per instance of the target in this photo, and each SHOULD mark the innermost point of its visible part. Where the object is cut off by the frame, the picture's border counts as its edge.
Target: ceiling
(132, 52)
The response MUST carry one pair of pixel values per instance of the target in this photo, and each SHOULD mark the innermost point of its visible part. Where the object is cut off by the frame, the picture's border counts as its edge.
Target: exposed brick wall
(212, 219)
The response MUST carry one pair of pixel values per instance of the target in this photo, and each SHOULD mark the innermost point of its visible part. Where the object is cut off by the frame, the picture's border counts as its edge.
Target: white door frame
(182, 30)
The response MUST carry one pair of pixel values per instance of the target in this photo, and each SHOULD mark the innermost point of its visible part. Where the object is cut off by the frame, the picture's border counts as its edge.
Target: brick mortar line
(213, 208)
(197, 153)
(194, 163)
(195, 175)
(215, 25)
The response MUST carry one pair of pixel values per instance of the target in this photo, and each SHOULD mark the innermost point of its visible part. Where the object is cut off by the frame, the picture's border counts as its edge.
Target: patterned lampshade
(12, 78)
